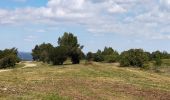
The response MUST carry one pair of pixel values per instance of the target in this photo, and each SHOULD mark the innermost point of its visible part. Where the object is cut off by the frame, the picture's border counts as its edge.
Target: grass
(97, 81)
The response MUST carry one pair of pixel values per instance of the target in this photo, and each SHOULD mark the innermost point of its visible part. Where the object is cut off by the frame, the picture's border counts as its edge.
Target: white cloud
(166, 2)
(116, 9)
(143, 18)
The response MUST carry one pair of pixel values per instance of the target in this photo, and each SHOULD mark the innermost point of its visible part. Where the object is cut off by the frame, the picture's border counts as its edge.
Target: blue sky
(121, 24)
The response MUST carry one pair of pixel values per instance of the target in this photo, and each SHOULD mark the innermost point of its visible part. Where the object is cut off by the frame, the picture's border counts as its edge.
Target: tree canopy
(70, 42)
(8, 58)
(68, 46)
(107, 55)
(133, 57)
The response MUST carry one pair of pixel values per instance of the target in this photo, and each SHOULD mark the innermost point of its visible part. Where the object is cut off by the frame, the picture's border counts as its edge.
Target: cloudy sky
(121, 24)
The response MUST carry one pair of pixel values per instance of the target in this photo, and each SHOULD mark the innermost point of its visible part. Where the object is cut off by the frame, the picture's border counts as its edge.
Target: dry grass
(83, 82)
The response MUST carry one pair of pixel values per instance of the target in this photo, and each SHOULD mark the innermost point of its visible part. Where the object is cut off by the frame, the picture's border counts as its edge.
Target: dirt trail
(28, 64)
(5, 70)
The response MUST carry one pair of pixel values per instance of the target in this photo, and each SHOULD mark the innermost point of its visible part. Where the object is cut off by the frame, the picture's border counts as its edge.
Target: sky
(121, 24)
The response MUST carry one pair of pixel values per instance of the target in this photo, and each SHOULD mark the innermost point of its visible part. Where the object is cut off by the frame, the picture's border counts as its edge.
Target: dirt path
(28, 64)
(5, 70)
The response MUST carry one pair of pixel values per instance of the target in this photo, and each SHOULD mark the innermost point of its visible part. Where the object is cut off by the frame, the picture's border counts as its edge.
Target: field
(96, 81)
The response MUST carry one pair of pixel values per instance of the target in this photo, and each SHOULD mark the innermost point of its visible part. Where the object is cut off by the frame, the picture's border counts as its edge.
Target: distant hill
(26, 56)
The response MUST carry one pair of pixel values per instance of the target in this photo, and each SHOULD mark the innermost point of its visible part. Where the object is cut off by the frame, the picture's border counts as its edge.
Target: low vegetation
(133, 57)
(108, 55)
(8, 58)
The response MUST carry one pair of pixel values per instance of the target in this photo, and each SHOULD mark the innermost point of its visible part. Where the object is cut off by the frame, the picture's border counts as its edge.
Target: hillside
(97, 81)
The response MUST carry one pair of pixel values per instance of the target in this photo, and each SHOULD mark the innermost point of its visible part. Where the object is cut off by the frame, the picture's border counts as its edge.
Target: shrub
(133, 57)
(108, 55)
(111, 58)
(98, 57)
(8, 61)
(42, 52)
(8, 58)
(89, 56)
(75, 57)
(58, 55)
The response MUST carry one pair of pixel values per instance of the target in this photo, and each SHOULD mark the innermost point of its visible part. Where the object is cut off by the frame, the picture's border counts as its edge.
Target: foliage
(8, 58)
(35, 53)
(70, 41)
(98, 57)
(58, 55)
(158, 62)
(107, 55)
(161, 55)
(41, 52)
(89, 56)
(110, 55)
(68, 47)
(133, 57)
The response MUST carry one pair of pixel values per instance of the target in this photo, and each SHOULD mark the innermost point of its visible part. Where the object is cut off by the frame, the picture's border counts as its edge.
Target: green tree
(89, 56)
(58, 55)
(8, 58)
(41, 52)
(162, 55)
(98, 57)
(74, 49)
(36, 53)
(133, 57)
(110, 55)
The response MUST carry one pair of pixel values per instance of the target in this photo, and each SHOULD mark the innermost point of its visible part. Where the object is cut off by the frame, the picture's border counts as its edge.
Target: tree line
(132, 57)
(68, 47)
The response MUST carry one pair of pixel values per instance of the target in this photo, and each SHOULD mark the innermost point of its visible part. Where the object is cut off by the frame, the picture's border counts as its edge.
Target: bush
(98, 57)
(75, 58)
(111, 58)
(108, 55)
(8, 58)
(58, 55)
(89, 56)
(42, 52)
(8, 61)
(133, 57)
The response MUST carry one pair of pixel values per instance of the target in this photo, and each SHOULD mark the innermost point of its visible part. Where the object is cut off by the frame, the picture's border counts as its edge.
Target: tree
(110, 55)
(58, 55)
(8, 61)
(36, 53)
(162, 55)
(98, 57)
(89, 56)
(8, 58)
(41, 52)
(70, 41)
(133, 57)
(158, 62)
